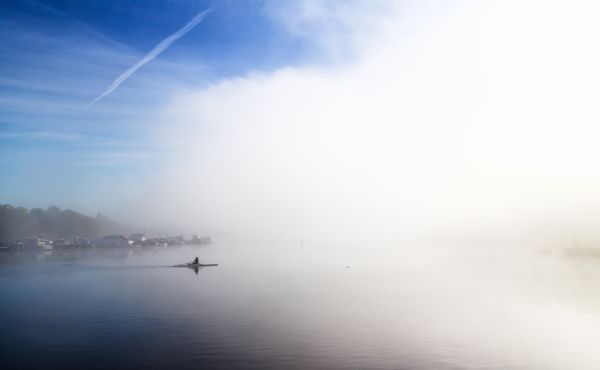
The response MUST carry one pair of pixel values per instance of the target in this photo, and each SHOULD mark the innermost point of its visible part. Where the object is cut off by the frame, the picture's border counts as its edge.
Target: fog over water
(425, 194)
(285, 305)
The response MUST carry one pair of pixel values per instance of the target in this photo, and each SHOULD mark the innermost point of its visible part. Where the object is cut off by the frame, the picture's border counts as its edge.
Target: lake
(294, 305)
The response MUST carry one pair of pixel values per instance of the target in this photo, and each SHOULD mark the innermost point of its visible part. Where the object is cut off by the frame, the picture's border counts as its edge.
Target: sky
(313, 118)
(57, 56)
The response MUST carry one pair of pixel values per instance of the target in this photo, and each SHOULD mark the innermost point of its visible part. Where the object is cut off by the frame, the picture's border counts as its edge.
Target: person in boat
(195, 262)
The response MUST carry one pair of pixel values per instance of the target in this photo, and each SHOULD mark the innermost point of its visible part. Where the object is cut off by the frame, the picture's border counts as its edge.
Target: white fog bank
(473, 119)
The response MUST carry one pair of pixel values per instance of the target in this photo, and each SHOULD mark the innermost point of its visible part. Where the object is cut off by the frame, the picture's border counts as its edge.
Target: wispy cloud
(158, 49)
(81, 25)
(40, 135)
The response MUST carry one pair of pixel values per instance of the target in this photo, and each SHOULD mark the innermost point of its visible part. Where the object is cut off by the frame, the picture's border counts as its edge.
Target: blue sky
(56, 56)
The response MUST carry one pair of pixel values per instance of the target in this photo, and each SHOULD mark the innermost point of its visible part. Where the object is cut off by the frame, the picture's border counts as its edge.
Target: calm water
(292, 306)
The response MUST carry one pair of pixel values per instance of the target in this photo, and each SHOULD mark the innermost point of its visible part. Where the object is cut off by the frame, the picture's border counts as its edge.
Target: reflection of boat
(196, 266)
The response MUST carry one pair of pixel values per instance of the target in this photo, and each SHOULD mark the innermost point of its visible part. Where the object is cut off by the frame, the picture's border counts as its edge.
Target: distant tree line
(53, 223)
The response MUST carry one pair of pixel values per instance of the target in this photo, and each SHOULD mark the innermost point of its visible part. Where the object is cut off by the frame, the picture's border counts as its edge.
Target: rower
(195, 261)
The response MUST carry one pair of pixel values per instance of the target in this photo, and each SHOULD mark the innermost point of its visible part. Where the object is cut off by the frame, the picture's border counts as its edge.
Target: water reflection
(470, 308)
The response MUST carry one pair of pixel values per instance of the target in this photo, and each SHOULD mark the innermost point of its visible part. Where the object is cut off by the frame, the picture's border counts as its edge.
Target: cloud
(81, 26)
(156, 51)
(41, 135)
(443, 121)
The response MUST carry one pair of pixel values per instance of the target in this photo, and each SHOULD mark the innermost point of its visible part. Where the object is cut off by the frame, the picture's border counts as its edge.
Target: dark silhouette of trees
(53, 223)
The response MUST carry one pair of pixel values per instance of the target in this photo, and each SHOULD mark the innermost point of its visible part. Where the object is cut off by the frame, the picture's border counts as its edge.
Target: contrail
(162, 46)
